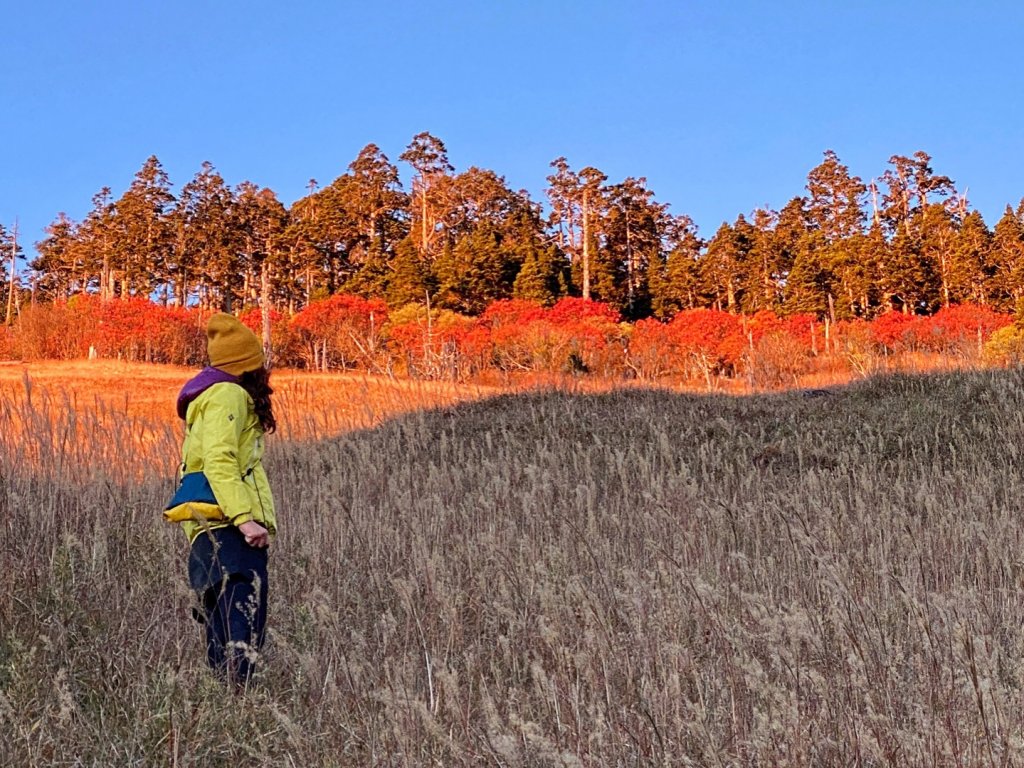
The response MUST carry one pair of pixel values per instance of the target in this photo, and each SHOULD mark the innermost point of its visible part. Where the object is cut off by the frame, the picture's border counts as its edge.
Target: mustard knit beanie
(231, 346)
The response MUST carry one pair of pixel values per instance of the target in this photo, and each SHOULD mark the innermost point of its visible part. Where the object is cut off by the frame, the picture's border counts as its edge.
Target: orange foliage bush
(438, 344)
(341, 331)
(574, 335)
(707, 341)
(960, 329)
(894, 331)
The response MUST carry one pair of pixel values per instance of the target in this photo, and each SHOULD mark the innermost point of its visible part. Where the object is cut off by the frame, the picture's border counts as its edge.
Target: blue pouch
(194, 500)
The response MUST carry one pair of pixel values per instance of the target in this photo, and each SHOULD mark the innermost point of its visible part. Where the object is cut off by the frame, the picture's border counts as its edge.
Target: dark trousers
(235, 615)
(230, 578)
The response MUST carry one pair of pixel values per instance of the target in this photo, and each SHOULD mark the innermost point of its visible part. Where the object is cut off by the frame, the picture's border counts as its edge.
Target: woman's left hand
(255, 534)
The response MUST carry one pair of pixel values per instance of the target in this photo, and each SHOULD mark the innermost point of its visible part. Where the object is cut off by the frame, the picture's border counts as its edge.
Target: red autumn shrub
(960, 329)
(510, 324)
(894, 331)
(708, 342)
(590, 334)
(178, 335)
(506, 313)
(576, 310)
(575, 335)
(762, 323)
(139, 329)
(438, 344)
(650, 351)
(342, 331)
(50, 332)
(803, 327)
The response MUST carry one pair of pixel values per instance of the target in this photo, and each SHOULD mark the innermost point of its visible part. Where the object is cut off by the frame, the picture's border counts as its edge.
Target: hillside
(635, 577)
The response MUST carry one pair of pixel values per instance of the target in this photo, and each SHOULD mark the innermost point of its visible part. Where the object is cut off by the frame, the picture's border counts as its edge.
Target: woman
(227, 412)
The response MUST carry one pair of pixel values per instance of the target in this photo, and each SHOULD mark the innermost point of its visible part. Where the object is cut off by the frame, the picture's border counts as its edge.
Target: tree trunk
(265, 310)
(423, 223)
(14, 274)
(586, 246)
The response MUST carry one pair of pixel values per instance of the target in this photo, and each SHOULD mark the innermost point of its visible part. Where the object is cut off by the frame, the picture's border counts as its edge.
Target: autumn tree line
(460, 273)
(906, 241)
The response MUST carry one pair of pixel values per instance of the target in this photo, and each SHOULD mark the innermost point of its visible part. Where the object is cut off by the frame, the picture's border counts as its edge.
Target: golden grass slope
(72, 418)
(551, 578)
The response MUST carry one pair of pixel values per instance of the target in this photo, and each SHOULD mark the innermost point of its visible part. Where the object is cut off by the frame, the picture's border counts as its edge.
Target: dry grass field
(546, 578)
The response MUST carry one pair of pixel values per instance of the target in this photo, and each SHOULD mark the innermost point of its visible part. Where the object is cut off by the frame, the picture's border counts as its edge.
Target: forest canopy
(845, 248)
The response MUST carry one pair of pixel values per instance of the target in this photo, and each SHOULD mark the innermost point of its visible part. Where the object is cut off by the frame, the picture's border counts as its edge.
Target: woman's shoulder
(225, 395)
(227, 392)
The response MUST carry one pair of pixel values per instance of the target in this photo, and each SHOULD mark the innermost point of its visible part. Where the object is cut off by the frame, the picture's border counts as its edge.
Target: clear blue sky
(723, 106)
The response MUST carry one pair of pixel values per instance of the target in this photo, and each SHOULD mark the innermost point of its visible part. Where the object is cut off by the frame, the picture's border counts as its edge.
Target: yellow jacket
(224, 440)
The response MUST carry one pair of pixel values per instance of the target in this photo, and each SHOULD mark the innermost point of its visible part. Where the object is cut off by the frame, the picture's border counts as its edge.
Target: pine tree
(592, 206)
(141, 228)
(726, 264)
(809, 283)
(208, 244)
(834, 208)
(674, 276)
(428, 157)
(377, 205)
(969, 273)
(563, 193)
(762, 290)
(938, 233)
(474, 272)
(834, 203)
(11, 252)
(411, 280)
(258, 220)
(1007, 254)
(791, 242)
(95, 240)
(58, 265)
(635, 225)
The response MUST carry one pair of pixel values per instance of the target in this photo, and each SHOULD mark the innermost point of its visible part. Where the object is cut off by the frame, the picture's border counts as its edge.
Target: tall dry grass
(628, 578)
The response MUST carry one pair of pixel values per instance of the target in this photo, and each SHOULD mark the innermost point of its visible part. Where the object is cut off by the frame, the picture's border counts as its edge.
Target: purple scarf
(198, 384)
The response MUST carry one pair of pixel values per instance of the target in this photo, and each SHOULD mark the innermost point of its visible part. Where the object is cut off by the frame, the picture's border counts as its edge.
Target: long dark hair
(257, 384)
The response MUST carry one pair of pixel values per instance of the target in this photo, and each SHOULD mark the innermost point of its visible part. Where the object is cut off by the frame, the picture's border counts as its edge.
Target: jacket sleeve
(224, 418)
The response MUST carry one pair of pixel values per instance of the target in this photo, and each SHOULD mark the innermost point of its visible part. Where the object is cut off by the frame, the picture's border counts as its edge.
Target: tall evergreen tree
(834, 207)
(969, 272)
(726, 265)
(411, 280)
(474, 272)
(95, 238)
(634, 225)
(379, 210)
(674, 276)
(59, 265)
(762, 289)
(142, 235)
(208, 247)
(1007, 255)
(11, 251)
(563, 193)
(592, 205)
(428, 157)
(258, 220)
(938, 234)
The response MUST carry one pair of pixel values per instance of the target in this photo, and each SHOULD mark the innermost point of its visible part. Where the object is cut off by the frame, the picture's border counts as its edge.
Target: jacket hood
(198, 384)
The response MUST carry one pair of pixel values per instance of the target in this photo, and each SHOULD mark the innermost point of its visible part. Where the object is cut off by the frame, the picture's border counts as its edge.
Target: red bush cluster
(952, 330)
(85, 326)
(575, 336)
